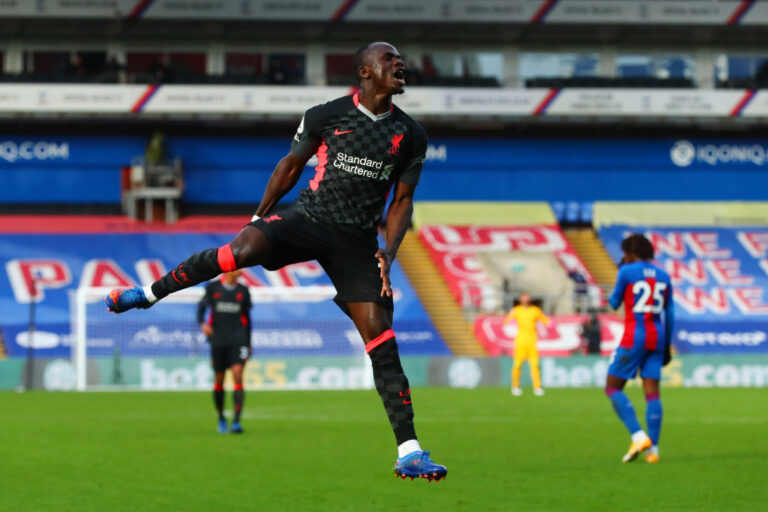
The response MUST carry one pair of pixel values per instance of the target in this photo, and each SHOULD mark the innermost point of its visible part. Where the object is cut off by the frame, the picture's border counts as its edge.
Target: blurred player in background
(526, 315)
(366, 147)
(591, 332)
(646, 291)
(228, 330)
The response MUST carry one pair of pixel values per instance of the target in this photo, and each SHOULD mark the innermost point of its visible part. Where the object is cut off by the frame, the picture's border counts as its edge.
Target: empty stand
(613, 82)
(432, 289)
(459, 252)
(589, 247)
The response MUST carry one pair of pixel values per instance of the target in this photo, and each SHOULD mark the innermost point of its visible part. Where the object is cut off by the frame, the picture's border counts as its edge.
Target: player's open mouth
(400, 76)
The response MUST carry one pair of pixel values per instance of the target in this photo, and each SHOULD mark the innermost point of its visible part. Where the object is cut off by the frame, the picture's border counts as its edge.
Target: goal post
(299, 340)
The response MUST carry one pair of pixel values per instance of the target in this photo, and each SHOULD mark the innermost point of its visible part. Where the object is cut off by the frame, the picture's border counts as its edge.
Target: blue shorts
(626, 361)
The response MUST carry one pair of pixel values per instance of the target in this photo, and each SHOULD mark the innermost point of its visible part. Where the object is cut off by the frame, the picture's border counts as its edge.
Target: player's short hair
(638, 245)
(358, 60)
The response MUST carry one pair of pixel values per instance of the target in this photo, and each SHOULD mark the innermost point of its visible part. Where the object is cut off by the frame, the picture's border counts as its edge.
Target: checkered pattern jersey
(229, 313)
(359, 160)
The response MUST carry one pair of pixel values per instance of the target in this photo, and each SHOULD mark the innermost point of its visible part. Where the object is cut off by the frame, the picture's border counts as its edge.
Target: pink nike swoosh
(337, 132)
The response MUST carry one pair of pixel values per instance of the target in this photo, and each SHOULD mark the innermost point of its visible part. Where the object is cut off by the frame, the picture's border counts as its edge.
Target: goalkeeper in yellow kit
(526, 315)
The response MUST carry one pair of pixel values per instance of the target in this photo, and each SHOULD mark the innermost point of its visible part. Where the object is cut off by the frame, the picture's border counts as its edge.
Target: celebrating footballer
(366, 147)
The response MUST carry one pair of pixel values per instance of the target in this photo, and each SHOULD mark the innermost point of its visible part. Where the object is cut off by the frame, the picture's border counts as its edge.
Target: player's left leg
(374, 322)
(352, 267)
(614, 389)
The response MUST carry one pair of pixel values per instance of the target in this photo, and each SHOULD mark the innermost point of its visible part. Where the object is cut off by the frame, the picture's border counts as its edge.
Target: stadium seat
(572, 212)
(558, 207)
(612, 82)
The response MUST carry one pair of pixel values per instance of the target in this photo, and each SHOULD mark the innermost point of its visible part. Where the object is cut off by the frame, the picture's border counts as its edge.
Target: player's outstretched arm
(398, 220)
(287, 172)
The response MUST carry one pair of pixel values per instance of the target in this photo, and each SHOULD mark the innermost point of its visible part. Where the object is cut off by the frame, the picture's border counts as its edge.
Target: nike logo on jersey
(181, 273)
(337, 132)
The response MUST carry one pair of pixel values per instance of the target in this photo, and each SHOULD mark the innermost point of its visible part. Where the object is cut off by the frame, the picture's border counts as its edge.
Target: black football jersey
(360, 157)
(230, 313)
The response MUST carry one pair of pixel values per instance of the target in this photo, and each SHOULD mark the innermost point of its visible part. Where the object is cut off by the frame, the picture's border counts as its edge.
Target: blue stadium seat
(558, 208)
(572, 212)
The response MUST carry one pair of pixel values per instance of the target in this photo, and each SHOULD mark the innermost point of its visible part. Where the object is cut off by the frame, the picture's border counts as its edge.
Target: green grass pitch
(334, 451)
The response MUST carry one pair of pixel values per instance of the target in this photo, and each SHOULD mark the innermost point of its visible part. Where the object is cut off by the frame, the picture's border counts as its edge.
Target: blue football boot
(236, 428)
(419, 465)
(222, 428)
(123, 299)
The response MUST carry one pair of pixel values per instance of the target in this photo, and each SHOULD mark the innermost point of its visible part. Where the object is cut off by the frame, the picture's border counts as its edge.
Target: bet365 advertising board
(296, 373)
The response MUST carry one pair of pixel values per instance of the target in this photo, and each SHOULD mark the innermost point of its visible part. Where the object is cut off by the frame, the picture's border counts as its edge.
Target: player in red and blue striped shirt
(646, 291)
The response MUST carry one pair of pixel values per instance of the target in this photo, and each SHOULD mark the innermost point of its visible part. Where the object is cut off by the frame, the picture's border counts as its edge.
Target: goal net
(299, 340)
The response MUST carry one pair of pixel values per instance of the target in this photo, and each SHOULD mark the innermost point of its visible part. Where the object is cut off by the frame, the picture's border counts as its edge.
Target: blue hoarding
(56, 169)
(720, 280)
(236, 169)
(721, 337)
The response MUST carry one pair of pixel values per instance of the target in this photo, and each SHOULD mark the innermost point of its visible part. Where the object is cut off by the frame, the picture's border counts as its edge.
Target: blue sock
(653, 414)
(624, 409)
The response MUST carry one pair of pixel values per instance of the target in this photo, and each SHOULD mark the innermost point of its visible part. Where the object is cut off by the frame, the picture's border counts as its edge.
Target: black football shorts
(225, 356)
(348, 259)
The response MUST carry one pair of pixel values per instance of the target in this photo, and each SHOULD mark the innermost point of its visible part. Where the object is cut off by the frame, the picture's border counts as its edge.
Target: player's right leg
(238, 395)
(533, 363)
(624, 364)
(653, 415)
(517, 366)
(250, 247)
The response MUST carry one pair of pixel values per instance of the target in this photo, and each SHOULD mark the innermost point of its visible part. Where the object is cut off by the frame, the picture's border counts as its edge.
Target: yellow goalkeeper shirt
(526, 317)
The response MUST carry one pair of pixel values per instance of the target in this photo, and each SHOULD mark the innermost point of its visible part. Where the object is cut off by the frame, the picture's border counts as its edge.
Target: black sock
(195, 269)
(218, 400)
(239, 398)
(393, 388)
